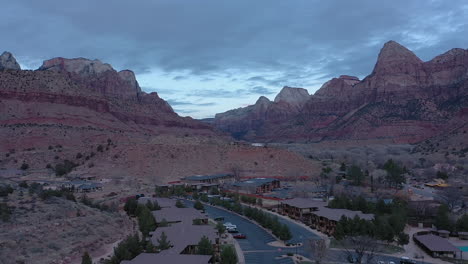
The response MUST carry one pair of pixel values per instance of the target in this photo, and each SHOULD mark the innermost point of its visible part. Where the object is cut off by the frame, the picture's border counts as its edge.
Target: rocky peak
(262, 100)
(81, 66)
(394, 57)
(129, 76)
(292, 96)
(351, 80)
(8, 62)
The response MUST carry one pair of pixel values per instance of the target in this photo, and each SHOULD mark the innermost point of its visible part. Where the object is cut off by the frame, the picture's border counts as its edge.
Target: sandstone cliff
(403, 100)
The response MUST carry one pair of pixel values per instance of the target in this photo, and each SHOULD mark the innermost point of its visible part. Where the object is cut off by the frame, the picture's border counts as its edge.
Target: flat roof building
(184, 237)
(210, 179)
(436, 246)
(317, 215)
(152, 258)
(162, 202)
(257, 185)
(175, 215)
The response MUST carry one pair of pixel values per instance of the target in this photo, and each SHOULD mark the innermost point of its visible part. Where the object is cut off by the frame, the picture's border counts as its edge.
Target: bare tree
(318, 248)
(451, 195)
(362, 247)
(236, 171)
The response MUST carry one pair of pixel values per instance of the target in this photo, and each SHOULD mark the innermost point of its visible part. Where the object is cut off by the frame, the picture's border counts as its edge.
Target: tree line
(388, 223)
(266, 220)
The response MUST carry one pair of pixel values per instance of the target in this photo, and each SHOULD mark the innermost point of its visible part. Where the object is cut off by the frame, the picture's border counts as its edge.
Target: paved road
(257, 250)
(255, 247)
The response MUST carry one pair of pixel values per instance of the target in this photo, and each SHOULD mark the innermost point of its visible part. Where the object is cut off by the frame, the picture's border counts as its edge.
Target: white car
(229, 225)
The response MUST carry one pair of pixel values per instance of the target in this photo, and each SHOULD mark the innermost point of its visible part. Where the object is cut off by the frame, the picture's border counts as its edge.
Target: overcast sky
(209, 56)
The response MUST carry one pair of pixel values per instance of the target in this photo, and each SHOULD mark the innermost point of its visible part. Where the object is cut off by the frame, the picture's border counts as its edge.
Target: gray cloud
(174, 102)
(299, 42)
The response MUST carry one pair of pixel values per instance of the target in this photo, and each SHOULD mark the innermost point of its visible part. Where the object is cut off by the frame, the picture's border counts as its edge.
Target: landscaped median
(266, 221)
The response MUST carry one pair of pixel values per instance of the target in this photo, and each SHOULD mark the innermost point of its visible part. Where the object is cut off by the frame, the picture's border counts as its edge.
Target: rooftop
(182, 235)
(151, 258)
(255, 182)
(174, 214)
(163, 202)
(207, 177)
(435, 243)
(304, 203)
(336, 214)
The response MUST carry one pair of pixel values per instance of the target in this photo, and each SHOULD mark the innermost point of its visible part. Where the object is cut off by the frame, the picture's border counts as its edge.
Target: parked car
(232, 230)
(229, 224)
(391, 262)
(406, 260)
(240, 236)
(219, 219)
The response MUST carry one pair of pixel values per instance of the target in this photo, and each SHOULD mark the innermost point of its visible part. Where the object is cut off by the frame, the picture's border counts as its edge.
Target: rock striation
(82, 93)
(404, 99)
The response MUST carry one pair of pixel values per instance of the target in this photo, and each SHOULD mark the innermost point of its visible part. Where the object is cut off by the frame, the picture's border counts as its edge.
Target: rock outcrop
(82, 93)
(8, 62)
(403, 100)
(247, 122)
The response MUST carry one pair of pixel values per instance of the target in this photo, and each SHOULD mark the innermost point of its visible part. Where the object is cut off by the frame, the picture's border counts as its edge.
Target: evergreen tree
(86, 259)
(130, 206)
(198, 205)
(146, 221)
(343, 166)
(462, 223)
(395, 173)
(442, 220)
(403, 239)
(356, 175)
(220, 228)
(285, 234)
(179, 204)
(163, 242)
(228, 256)
(205, 247)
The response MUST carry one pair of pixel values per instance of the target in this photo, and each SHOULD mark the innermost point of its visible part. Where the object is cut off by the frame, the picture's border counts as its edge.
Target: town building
(162, 202)
(315, 214)
(435, 246)
(256, 185)
(210, 179)
(184, 237)
(177, 215)
(152, 258)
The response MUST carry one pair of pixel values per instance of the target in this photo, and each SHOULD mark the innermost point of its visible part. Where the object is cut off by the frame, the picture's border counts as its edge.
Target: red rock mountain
(86, 112)
(403, 100)
(84, 93)
(248, 121)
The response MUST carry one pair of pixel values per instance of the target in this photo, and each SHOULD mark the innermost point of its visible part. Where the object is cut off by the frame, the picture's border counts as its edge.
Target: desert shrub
(24, 166)
(64, 168)
(100, 148)
(5, 190)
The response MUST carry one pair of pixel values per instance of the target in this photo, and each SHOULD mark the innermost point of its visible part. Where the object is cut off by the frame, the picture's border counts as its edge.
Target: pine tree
(86, 259)
(163, 242)
(285, 234)
(198, 205)
(228, 256)
(179, 204)
(205, 247)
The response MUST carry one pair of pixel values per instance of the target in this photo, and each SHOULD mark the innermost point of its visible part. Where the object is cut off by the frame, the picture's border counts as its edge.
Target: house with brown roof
(435, 246)
(317, 215)
(152, 258)
(161, 201)
(184, 237)
(176, 215)
(298, 208)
